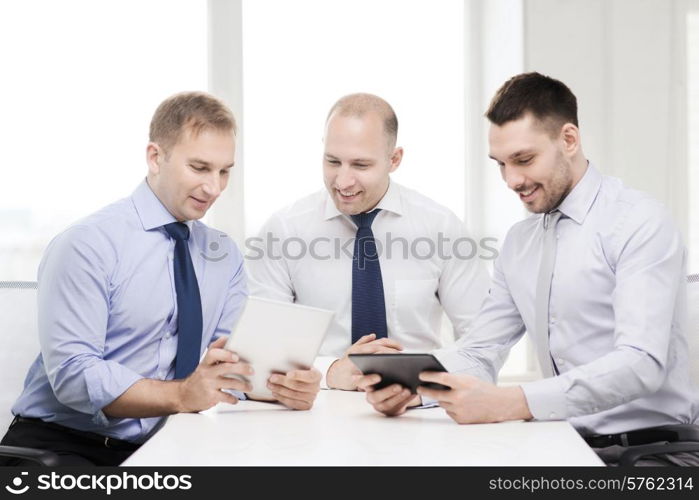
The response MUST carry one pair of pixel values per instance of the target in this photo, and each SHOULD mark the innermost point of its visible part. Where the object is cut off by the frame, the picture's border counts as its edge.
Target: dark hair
(549, 100)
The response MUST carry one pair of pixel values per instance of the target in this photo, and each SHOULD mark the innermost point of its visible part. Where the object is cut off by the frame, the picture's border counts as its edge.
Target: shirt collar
(391, 202)
(579, 201)
(149, 208)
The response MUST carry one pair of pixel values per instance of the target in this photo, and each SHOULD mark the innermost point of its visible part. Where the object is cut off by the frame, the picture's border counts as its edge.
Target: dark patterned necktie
(189, 320)
(368, 305)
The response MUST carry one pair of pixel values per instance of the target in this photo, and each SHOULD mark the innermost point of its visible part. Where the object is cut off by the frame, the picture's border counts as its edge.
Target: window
(301, 56)
(80, 86)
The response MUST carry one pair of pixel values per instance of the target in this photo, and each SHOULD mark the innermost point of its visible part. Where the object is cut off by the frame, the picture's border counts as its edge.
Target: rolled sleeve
(106, 381)
(73, 300)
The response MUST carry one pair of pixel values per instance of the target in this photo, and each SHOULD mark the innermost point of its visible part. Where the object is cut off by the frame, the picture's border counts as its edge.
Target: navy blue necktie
(368, 306)
(189, 322)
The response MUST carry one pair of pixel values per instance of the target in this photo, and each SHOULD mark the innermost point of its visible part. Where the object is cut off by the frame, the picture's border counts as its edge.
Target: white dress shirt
(419, 280)
(616, 313)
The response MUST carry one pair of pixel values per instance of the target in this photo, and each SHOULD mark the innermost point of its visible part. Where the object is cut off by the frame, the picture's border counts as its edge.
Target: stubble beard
(559, 186)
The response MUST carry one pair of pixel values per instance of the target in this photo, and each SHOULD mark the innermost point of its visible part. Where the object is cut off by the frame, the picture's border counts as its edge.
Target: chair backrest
(693, 326)
(19, 340)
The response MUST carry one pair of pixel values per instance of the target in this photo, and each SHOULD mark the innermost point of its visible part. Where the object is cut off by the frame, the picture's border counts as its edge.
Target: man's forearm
(147, 398)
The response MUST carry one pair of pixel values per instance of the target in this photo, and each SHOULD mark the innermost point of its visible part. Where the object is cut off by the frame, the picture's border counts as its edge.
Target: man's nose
(344, 179)
(514, 179)
(213, 185)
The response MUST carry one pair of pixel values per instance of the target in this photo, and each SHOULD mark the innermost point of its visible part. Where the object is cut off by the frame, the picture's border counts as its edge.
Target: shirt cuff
(240, 395)
(546, 398)
(426, 403)
(322, 364)
(106, 381)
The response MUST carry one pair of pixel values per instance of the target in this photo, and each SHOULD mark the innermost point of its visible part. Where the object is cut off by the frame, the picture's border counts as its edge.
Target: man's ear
(570, 137)
(154, 156)
(396, 158)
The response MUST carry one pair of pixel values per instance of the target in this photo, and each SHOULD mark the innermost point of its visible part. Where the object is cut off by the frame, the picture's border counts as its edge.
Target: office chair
(679, 437)
(20, 346)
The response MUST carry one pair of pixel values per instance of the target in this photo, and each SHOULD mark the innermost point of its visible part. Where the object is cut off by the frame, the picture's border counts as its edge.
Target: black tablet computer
(403, 369)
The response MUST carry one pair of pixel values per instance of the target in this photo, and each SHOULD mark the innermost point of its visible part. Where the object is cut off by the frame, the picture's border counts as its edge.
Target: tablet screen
(276, 337)
(403, 369)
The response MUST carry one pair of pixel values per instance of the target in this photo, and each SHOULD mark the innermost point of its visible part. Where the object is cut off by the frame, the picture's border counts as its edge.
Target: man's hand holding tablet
(280, 341)
(391, 380)
(466, 399)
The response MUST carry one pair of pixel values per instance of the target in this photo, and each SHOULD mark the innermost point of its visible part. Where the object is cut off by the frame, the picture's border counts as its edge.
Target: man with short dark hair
(595, 276)
(130, 297)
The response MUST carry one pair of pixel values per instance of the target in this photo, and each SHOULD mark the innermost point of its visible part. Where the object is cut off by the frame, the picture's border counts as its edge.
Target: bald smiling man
(385, 258)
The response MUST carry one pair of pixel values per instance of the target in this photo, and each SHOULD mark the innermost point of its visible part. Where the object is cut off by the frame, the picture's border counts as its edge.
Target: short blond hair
(189, 111)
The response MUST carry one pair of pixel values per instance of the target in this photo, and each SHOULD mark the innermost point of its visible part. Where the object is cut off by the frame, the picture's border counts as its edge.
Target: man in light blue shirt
(596, 277)
(109, 311)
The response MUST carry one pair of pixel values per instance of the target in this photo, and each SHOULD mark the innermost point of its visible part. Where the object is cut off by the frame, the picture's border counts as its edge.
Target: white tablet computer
(277, 337)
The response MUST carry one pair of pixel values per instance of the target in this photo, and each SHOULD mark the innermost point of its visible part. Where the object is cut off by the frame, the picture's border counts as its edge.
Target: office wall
(624, 59)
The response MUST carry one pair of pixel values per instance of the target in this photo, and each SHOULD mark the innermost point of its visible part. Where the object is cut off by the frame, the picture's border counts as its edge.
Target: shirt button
(168, 335)
(162, 375)
(560, 361)
(596, 409)
(552, 415)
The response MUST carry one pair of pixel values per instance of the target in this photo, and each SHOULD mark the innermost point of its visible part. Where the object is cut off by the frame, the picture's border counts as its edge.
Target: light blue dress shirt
(108, 312)
(617, 357)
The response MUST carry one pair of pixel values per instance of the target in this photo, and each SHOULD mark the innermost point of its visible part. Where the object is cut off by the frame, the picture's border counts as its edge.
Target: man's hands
(297, 389)
(342, 373)
(473, 401)
(391, 401)
(469, 401)
(202, 389)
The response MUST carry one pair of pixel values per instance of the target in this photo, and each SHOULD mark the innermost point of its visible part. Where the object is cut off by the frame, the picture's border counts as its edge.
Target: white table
(342, 429)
